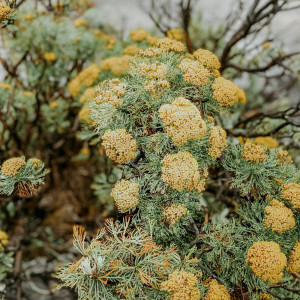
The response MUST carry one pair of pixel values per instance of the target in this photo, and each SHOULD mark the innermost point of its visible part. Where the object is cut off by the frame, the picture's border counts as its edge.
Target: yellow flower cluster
(3, 239)
(225, 92)
(207, 59)
(80, 22)
(267, 141)
(242, 98)
(174, 212)
(118, 65)
(217, 141)
(29, 17)
(181, 285)
(252, 152)
(125, 194)
(5, 86)
(152, 71)
(109, 39)
(154, 87)
(265, 297)
(88, 94)
(119, 145)
(110, 92)
(35, 162)
(216, 291)
(4, 11)
(279, 217)
(175, 34)
(180, 170)
(266, 261)
(53, 104)
(167, 44)
(150, 52)
(283, 157)
(12, 166)
(139, 35)
(194, 72)
(182, 121)
(294, 261)
(131, 50)
(84, 115)
(50, 56)
(291, 192)
(85, 78)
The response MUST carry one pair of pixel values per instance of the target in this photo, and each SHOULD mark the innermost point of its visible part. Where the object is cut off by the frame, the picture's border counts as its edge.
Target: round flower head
(207, 59)
(182, 121)
(279, 217)
(216, 291)
(294, 261)
(3, 239)
(265, 297)
(150, 52)
(117, 65)
(87, 95)
(217, 141)
(267, 141)
(181, 285)
(167, 44)
(252, 152)
(131, 50)
(291, 192)
(175, 34)
(194, 72)
(119, 145)
(174, 212)
(139, 35)
(224, 91)
(242, 98)
(266, 261)
(180, 170)
(125, 194)
(283, 157)
(151, 71)
(4, 11)
(12, 166)
(84, 114)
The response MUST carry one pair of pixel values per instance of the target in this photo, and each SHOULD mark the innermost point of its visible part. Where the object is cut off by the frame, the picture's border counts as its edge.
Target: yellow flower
(252, 152)
(182, 121)
(167, 44)
(266, 261)
(267, 141)
(181, 285)
(131, 50)
(139, 35)
(84, 115)
(283, 157)
(53, 104)
(50, 56)
(174, 212)
(242, 98)
(266, 46)
(279, 217)
(291, 192)
(175, 34)
(80, 22)
(265, 297)
(207, 59)
(216, 291)
(224, 91)
(119, 145)
(5, 86)
(150, 52)
(3, 239)
(12, 166)
(294, 261)
(117, 65)
(28, 17)
(4, 11)
(217, 141)
(88, 94)
(125, 194)
(150, 71)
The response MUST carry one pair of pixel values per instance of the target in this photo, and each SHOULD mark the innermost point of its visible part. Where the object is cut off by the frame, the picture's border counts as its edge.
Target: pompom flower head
(217, 141)
(216, 291)
(224, 91)
(174, 212)
(4, 11)
(254, 153)
(182, 121)
(12, 166)
(294, 261)
(167, 44)
(207, 59)
(266, 261)
(291, 192)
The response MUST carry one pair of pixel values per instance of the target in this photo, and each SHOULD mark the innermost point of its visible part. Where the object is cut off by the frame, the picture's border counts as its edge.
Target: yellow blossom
(150, 52)
(283, 157)
(266, 261)
(167, 44)
(131, 50)
(294, 261)
(53, 104)
(266, 46)
(80, 22)
(3, 239)
(265, 297)
(117, 65)
(242, 98)
(5, 86)
(252, 152)
(50, 56)
(4, 11)
(139, 35)
(182, 121)
(125, 194)
(279, 217)
(224, 91)
(151, 71)
(207, 59)
(291, 192)
(175, 34)
(12, 166)
(152, 39)
(267, 141)
(88, 94)
(84, 115)
(216, 291)
(119, 145)
(217, 141)
(174, 212)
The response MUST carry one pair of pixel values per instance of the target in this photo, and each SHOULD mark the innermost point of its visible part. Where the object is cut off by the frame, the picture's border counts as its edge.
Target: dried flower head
(150, 52)
(175, 34)
(207, 59)
(4, 11)
(174, 212)
(139, 35)
(118, 65)
(131, 50)
(283, 157)
(279, 217)
(267, 141)
(294, 261)
(181, 285)
(125, 194)
(150, 71)
(180, 170)
(224, 91)
(217, 141)
(194, 72)
(3, 239)
(50, 56)
(12, 166)
(291, 192)
(252, 152)
(216, 291)
(167, 44)
(182, 121)
(119, 145)
(266, 261)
